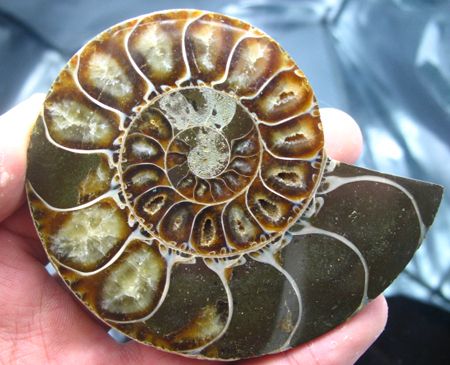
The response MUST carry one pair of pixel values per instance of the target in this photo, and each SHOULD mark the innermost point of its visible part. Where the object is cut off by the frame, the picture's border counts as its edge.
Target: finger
(343, 138)
(343, 345)
(136, 353)
(15, 129)
(21, 224)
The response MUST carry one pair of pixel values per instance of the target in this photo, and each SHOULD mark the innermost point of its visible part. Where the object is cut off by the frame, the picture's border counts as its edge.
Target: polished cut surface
(179, 185)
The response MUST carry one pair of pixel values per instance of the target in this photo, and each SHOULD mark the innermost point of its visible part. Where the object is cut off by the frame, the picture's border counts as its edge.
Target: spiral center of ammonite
(188, 156)
(211, 153)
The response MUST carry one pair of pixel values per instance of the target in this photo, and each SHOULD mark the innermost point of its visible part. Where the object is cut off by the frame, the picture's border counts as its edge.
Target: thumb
(15, 129)
(343, 138)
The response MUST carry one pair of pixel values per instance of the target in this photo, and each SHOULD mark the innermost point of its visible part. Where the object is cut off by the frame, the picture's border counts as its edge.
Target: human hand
(42, 323)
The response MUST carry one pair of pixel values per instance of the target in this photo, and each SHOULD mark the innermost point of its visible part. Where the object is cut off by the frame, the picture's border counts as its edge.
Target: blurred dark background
(385, 62)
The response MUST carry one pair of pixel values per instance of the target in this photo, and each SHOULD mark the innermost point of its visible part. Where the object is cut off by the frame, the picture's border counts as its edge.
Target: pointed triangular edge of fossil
(384, 215)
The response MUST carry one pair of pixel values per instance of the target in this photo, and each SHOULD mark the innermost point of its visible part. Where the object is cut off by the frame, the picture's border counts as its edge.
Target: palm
(41, 322)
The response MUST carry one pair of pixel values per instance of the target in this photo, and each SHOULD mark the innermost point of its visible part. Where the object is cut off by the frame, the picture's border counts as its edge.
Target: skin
(42, 323)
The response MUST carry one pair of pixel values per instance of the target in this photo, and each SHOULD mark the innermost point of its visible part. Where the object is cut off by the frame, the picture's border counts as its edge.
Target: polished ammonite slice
(178, 182)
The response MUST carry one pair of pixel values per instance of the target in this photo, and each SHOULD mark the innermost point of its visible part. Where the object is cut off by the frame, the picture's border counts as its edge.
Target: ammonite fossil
(179, 184)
